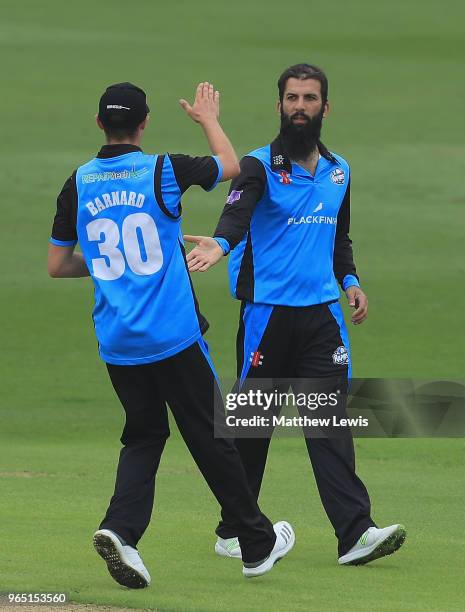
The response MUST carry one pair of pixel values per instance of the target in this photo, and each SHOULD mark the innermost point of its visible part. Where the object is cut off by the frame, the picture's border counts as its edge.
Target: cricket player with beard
(286, 227)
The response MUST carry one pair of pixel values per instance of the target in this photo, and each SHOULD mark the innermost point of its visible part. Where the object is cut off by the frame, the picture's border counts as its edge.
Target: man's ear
(99, 123)
(143, 125)
(326, 109)
(278, 107)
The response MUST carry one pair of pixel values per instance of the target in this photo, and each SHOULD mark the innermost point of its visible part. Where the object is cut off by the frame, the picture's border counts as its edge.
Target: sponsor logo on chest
(133, 174)
(313, 219)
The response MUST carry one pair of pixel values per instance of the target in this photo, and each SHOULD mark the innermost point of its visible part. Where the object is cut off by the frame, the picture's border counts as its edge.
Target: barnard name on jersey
(115, 198)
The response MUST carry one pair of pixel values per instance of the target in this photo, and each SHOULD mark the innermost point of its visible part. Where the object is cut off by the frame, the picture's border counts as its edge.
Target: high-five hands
(358, 300)
(206, 104)
(203, 256)
(205, 111)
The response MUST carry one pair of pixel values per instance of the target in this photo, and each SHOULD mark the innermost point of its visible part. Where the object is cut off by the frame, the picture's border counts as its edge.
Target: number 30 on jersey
(137, 229)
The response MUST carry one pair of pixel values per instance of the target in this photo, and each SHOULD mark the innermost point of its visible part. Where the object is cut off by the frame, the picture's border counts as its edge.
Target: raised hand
(206, 104)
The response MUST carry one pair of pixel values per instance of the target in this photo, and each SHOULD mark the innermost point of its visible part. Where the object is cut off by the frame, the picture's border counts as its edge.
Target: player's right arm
(246, 190)
(206, 110)
(62, 261)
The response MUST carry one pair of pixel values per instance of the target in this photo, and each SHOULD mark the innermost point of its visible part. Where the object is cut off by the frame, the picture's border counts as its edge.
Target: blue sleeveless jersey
(288, 250)
(132, 244)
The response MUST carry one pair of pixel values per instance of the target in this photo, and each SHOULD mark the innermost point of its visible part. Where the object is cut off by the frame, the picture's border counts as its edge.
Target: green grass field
(397, 91)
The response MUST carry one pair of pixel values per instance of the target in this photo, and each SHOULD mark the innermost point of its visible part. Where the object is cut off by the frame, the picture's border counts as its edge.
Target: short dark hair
(120, 133)
(303, 72)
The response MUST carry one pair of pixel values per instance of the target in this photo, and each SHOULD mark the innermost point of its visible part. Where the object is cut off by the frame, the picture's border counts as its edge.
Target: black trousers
(185, 382)
(281, 342)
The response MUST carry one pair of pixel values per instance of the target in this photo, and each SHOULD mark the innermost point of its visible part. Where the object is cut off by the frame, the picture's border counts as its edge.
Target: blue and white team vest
(288, 250)
(144, 303)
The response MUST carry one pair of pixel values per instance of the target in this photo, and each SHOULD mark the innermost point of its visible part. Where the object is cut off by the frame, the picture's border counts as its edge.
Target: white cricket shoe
(123, 561)
(285, 540)
(228, 547)
(375, 543)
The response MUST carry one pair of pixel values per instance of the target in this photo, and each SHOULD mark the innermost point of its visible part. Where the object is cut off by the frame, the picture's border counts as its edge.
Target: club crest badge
(338, 176)
(341, 356)
(285, 178)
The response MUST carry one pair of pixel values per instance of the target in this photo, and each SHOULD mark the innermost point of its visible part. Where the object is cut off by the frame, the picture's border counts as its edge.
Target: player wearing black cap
(124, 209)
(123, 105)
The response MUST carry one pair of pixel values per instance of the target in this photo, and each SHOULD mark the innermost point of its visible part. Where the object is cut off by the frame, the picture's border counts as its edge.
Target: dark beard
(300, 140)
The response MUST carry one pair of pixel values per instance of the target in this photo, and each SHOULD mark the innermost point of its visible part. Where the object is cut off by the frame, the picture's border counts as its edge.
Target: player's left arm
(203, 171)
(206, 112)
(344, 266)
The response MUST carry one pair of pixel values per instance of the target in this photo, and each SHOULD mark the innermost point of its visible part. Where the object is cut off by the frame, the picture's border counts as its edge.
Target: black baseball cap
(123, 105)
